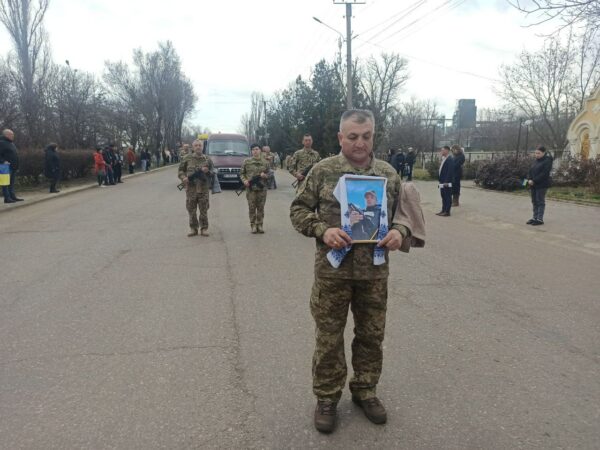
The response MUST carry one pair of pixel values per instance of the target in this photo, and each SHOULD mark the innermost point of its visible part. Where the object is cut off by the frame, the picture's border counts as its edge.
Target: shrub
(505, 174)
(576, 171)
(433, 168)
(470, 169)
(74, 164)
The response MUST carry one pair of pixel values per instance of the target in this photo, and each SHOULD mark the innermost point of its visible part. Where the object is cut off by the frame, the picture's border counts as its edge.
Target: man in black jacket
(8, 155)
(445, 177)
(52, 166)
(538, 180)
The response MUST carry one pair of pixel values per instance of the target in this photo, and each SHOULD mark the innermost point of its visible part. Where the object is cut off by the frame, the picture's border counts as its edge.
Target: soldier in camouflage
(302, 159)
(357, 283)
(256, 193)
(270, 158)
(197, 191)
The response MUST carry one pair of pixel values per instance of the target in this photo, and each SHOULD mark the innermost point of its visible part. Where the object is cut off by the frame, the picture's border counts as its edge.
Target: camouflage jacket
(315, 209)
(189, 165)
(301, 160)
(252, 167)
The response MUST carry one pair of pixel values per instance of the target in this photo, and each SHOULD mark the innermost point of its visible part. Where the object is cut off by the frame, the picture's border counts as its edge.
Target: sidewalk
(41, 194)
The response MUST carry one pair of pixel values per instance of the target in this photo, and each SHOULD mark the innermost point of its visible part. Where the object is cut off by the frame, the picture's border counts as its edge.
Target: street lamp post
(348, 39)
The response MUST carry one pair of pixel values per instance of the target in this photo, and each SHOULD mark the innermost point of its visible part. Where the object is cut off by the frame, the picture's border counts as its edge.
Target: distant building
(465, 115)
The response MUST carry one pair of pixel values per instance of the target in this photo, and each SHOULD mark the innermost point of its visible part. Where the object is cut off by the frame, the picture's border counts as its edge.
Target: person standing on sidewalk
(538, 180)
(131, 160)
(52, 166)
(445, 178)
(9, 155)
(458, 158)
(100, 165)
(118, 163)
(409, 162)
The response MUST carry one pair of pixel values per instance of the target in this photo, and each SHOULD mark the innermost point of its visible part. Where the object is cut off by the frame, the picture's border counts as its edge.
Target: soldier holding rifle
(195, 172)
(255, 173)
(303, 160)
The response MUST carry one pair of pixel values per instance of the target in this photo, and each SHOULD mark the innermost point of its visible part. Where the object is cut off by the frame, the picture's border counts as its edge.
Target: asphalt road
(118, 331)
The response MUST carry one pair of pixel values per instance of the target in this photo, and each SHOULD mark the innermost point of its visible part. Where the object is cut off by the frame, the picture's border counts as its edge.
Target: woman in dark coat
(52, 166)
(538, 180)
(458, 155)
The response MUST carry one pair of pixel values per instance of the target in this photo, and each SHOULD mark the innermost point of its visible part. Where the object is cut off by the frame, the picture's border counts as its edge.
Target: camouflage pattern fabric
(197, 192)
(300, 160)
(189, 165)
(256, 206)
(252, 167)
(197, 200)
(329, 303)
(315, 209)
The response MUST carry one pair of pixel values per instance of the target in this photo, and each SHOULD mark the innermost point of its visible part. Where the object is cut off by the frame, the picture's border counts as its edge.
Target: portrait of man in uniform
(364, 209)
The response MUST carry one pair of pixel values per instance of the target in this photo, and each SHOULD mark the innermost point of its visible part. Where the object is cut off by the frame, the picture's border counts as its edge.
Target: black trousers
(53, 182)
(456, 186)
(131, 168)
(118, 172)
(446, 194)
(538, 199)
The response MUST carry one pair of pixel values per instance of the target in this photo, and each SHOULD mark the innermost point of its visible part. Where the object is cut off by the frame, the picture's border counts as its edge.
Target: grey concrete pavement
(118, 331)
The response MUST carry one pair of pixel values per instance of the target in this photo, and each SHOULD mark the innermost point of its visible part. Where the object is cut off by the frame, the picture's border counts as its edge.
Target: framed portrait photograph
(363, 207)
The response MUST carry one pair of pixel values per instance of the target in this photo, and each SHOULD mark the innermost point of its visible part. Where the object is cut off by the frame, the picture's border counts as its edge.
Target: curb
(75, 190)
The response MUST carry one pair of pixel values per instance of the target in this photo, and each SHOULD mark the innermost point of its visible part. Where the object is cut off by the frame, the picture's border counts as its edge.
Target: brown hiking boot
(372, 408)
(325, 415)
(204, 232)
(193, 232)
(259, 229)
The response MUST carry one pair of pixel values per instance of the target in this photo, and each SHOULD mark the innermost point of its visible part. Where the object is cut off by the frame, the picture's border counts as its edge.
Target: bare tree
(252, 123)
(153, 100)
(9, 111)
(380, 83)
(540, 86)
(412, 125)
(569, 11)
(24, 21)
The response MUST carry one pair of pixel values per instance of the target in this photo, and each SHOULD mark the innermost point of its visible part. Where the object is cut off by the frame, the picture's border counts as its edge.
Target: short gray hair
(358, 116)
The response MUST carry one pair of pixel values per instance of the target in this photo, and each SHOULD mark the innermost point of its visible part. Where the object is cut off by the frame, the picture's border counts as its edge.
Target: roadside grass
(582, 195)
(577, 194)
(421, 174)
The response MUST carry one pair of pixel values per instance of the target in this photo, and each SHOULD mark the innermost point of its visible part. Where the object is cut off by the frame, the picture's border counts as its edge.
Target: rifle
(197, 175)
(254, 181)
(303, 173)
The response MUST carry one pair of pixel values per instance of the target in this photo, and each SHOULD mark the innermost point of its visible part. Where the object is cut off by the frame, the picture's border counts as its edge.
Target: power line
(453, 7)
(431, 62)
(446, 3)
(411, 8)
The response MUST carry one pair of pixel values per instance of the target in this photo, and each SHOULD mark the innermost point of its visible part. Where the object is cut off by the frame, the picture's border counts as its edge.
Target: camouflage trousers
(256, 206)
(197, 200)
(329, 303)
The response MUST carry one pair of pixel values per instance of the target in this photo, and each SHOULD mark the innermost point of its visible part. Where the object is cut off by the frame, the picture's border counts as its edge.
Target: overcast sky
(231, 48)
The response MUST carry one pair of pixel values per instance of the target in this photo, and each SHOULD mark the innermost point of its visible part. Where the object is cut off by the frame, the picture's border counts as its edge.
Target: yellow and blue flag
(4, 174)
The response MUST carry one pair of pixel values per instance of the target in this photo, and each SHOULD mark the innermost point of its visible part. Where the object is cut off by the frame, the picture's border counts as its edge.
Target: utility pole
(348, 47)
(266, 128)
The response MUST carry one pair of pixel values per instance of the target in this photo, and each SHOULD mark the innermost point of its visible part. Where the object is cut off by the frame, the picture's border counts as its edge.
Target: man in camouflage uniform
(357, 283)
(303, 159)
(270, 158)
(256, 193)
(197, 191)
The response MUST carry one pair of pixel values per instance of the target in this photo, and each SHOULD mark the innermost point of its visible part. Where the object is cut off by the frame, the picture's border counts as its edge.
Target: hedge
(74, 164)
